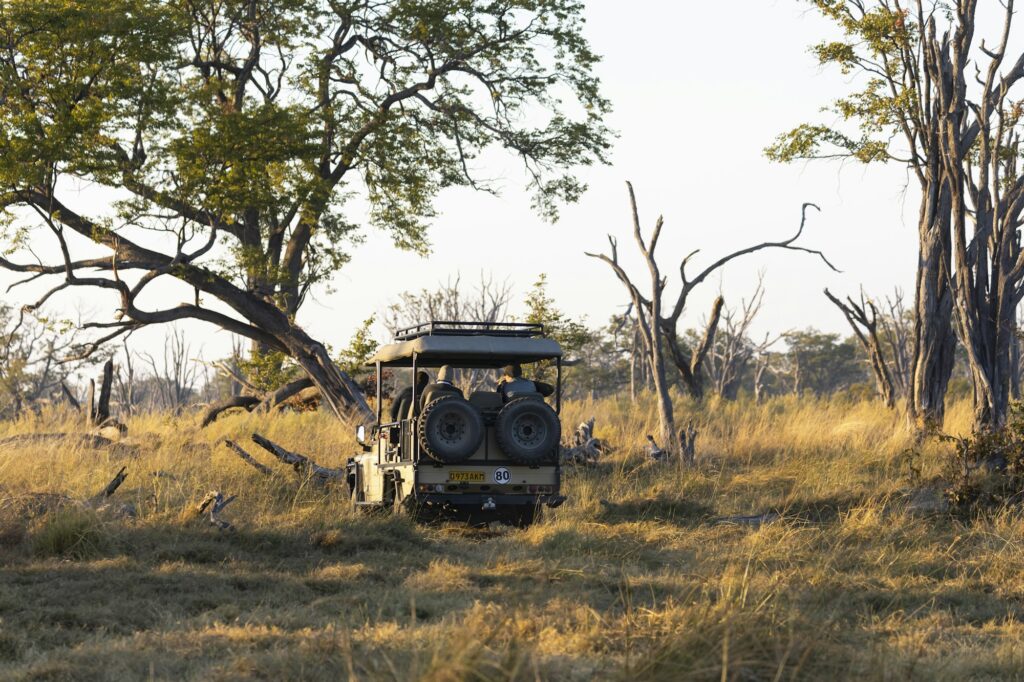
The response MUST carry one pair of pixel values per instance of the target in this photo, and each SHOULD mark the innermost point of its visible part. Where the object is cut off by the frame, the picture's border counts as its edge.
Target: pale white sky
(699, 89)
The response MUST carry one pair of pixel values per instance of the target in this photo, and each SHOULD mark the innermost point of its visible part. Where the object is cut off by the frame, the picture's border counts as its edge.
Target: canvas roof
(466, 351)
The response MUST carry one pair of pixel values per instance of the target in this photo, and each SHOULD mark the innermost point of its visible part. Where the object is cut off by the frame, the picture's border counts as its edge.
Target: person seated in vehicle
(443, 386)
(513, 385)
(403, 401)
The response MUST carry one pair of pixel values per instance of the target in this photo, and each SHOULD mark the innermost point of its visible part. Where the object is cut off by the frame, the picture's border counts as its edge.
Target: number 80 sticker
(502, 475)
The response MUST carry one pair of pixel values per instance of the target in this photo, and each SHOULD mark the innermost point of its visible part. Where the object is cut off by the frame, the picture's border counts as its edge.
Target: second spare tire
(528, 431)
(451, 429)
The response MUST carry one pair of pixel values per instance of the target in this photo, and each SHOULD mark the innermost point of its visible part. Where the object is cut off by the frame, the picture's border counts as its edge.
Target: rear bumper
(479, 500)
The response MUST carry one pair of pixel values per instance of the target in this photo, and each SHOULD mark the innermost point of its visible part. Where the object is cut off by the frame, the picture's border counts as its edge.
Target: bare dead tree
(648, 315)
(730, 356)
(176, 375)
(659, 330)
(762, 365)
(125, 381)
(487, 302)
(863, 318)
(897, 330)
(34, 364)
(690, 367)
(690, 364)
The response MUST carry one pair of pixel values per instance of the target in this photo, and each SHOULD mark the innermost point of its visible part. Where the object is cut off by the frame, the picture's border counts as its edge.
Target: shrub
(70, 533)
(986, 469)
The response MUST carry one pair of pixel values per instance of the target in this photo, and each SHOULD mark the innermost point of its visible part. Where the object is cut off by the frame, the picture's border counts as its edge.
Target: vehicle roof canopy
(467, 345)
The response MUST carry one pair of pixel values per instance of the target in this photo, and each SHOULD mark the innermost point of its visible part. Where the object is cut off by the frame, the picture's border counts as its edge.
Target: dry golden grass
(848, 584)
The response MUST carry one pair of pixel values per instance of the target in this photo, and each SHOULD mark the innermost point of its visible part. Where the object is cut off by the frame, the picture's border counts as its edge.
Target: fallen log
(245, 402)
(584, 448)
(100, 501)
(247, 458)
(114, 484)
(302, 464)
(283, 396)
(28, 506)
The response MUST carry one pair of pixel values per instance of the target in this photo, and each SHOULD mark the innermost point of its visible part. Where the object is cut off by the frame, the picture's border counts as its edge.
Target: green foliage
(267, 371)
(877, 51)
(823, 363)
(985, 472)
(360, 349)
(572, 335)
(263, 125)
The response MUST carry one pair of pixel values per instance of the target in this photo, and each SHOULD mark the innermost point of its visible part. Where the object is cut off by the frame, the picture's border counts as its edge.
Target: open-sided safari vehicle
(480, 458)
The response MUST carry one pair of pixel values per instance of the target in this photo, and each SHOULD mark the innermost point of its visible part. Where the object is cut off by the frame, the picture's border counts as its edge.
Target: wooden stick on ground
(114, 484)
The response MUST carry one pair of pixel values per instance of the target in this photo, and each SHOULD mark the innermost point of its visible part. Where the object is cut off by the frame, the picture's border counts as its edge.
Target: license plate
(466, 476)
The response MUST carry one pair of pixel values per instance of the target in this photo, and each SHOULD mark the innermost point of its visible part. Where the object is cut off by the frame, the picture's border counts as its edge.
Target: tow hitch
(489, 505)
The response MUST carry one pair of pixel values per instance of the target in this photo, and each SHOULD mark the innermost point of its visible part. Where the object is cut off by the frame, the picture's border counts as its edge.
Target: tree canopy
(238, 145)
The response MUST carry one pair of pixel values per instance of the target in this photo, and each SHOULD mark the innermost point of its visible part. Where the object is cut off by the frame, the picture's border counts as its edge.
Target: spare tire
(451, 429)
(528, 431)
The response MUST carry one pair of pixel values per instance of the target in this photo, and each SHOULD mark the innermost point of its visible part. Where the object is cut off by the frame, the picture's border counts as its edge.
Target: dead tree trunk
(759, 371)
(1015, 360)
(980, 148)
(729, 358)
(90, 404)
(103, 406)
(648, 314)
(863, 319)
(690, 368)
(658, 330)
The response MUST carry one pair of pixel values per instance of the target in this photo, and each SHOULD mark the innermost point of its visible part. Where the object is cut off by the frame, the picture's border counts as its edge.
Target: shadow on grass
(678, 512)
(827, 509)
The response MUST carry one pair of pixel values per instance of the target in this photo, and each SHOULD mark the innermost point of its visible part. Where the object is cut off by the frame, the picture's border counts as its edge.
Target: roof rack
(456, 328)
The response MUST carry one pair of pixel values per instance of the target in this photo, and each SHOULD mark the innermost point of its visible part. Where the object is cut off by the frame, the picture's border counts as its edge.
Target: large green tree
(221, 142)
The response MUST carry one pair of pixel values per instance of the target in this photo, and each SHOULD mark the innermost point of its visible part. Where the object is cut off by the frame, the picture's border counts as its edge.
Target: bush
(986, 469)
(70, 533)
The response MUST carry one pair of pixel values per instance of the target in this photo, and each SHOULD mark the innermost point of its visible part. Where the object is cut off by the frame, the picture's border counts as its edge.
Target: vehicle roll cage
(508, 330)
(520, 330)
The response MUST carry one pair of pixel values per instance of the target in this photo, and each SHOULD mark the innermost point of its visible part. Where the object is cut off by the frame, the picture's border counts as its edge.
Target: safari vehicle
(479, 458)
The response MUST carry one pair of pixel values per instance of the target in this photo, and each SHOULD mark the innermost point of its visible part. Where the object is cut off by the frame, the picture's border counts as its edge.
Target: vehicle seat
(486, 400)
(435, 391)
(520, 388)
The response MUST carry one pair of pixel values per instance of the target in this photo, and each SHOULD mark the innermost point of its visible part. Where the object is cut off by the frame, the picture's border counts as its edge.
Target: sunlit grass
(635, 577)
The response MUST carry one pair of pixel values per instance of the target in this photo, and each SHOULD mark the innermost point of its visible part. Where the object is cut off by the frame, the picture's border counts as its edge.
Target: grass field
(850, 582)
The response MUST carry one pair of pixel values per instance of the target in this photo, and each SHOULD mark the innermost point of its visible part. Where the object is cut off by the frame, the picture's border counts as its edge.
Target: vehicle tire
(528, 431)
(451, 429)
